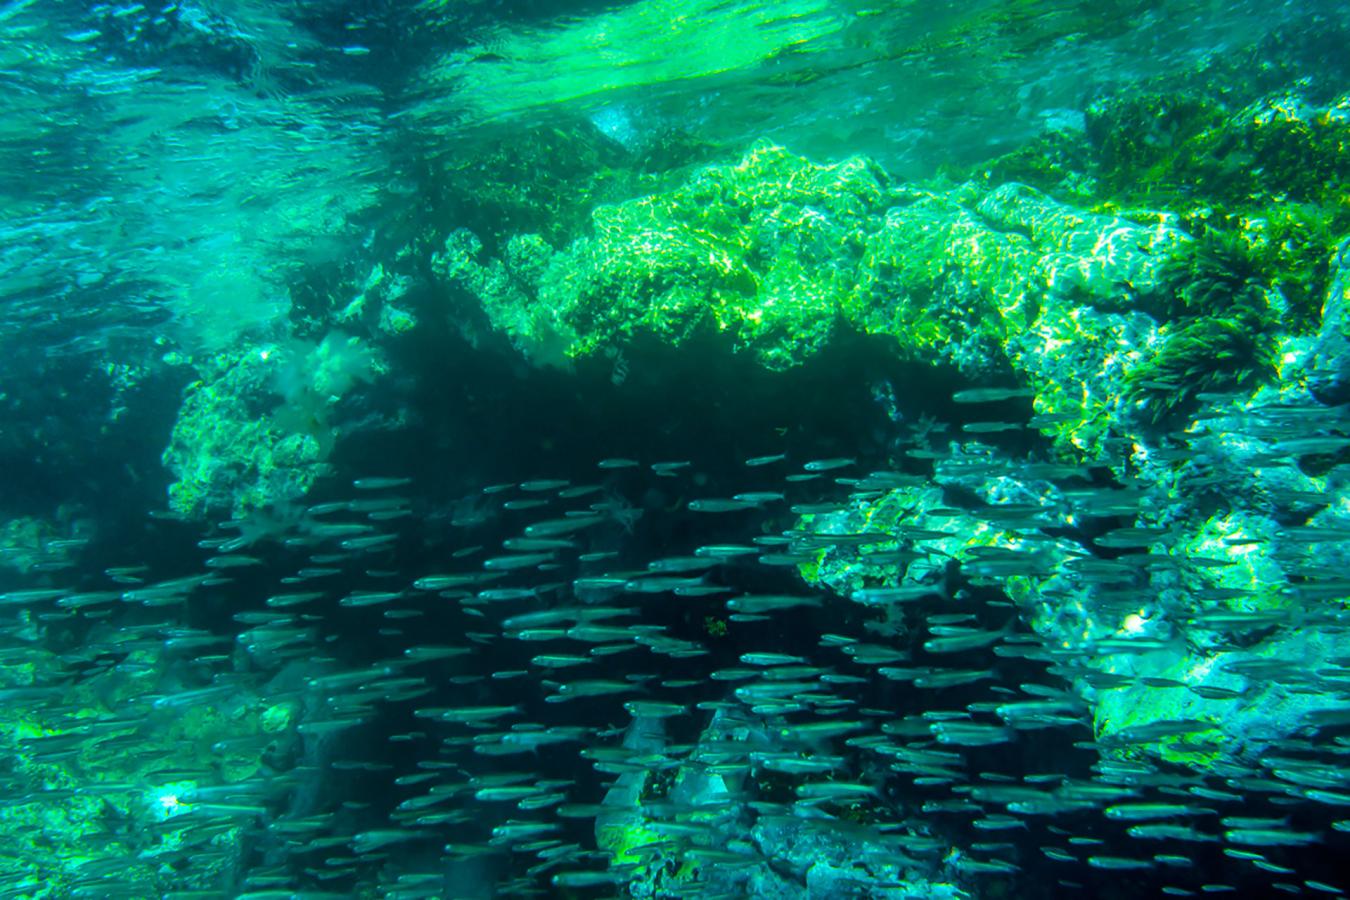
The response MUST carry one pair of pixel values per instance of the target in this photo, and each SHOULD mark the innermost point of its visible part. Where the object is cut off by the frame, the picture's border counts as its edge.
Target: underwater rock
(1330, 376)
(776, 252)
(1188, 625)
(184, 34)
(1085, 258)
(257, 430)
(31, 544)
(943, 283)
(226, 453)
(751, 845)
(508, 292)
(376, 305)
(831, 858)
(759, 250)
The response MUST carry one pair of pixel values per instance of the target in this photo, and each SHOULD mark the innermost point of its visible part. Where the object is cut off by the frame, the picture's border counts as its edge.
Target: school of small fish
(536, 704)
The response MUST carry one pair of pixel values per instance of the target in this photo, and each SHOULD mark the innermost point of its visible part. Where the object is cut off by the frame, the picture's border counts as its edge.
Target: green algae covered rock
(1267, 171)
(1331, 357)
(1260, 180)
(31, 544)
(764, 251)
(1107, 307)
(936, 276)
(778, 253)
(1277, 146)
(257, 429)
(108, 777)
(226, 451)
(1106, 261)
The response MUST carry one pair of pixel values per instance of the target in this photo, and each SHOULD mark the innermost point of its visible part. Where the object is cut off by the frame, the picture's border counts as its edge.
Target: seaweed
(1269, 170)
(546, 180)
(1293, 246)
(1056, 163)
(1214, 275)
(1139, 139)
(1205, 354)
(1223, 334)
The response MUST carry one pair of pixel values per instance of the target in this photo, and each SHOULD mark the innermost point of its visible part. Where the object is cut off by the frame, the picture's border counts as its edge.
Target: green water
(704, 450)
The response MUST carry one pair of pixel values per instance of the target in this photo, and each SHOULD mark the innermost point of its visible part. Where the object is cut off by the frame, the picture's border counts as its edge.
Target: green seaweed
(1267, 169)
(1222, 336)
(1203, 354)
(1056, 162)
(546, 180)
(1292, 245)
(1137, 141)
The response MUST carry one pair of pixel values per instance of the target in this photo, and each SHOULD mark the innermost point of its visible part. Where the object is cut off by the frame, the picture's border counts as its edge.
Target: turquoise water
(745, 449)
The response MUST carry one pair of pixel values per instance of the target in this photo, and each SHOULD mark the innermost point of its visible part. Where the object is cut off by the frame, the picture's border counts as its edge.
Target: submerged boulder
(779, 254)
(1330, 376)
(256, 431)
